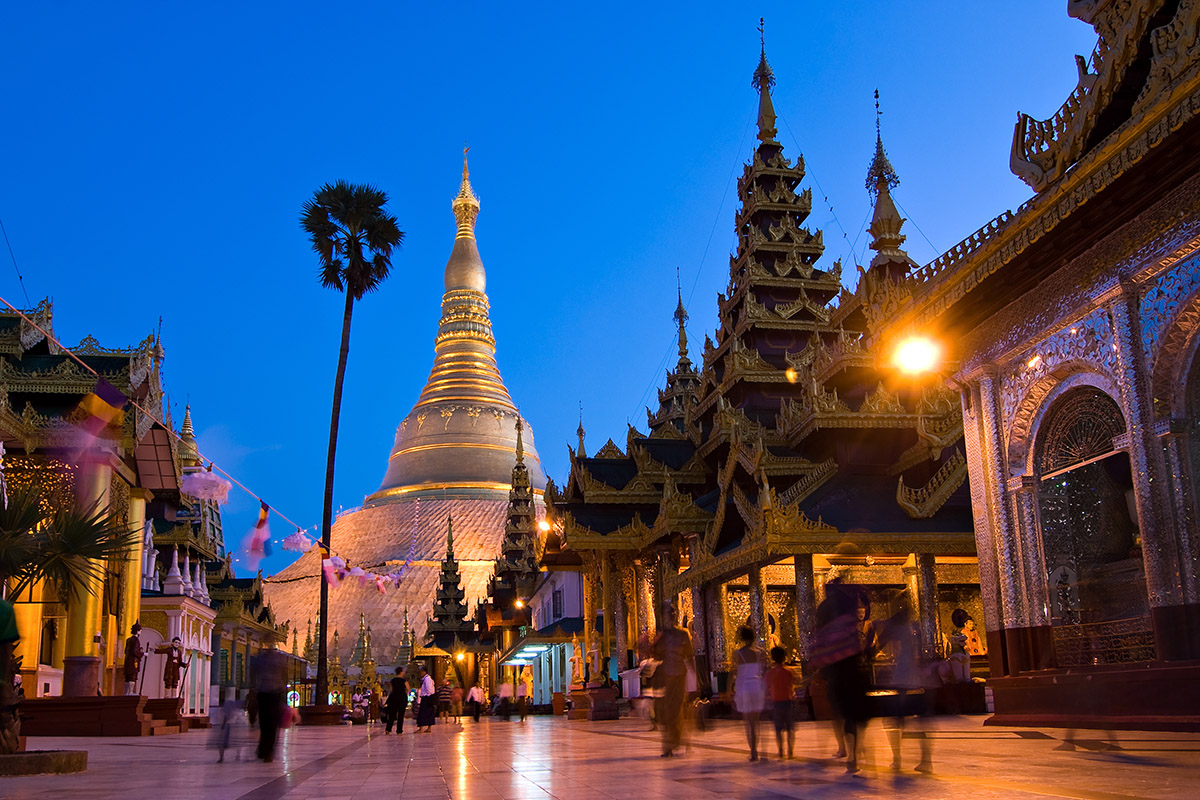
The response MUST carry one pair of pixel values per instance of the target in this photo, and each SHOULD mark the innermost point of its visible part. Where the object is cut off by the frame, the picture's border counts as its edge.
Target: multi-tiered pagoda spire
(449, 609)
(516, 570)
(683, 384)
(886, 221)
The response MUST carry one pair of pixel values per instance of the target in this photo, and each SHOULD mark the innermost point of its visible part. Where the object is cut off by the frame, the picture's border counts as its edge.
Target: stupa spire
(681, 318)
(580, 432)
(520, 445)
(466, 204)
(886, 221)
(188, 453)
(463, 390)
(764, 81)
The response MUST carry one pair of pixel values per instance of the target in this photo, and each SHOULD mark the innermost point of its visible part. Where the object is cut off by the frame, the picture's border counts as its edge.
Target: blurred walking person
(456, 700)
(673, 649)
(397, 702)
(270, 681)
(909, 699)
(842, 650)
(749, 693)
(780, 688)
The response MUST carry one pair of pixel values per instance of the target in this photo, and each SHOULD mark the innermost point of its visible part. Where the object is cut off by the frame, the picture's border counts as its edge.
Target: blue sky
(154, 158)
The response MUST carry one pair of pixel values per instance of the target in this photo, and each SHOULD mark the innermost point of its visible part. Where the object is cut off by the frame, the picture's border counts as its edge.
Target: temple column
(645, 599)
(985, 548)
(699, 615)
(81, 665)
(1176, 450)
(1023, 498)
(589, 610)
(1025, 647)
(758, 607)
(925, 595)
(620, 617)
(606, 595)
(131, 568)
(806, 602)
(718, 615)
(1174, 620)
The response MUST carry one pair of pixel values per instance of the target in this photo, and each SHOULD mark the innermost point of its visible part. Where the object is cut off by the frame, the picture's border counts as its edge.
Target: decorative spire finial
(881, 175)
(449, 537)
(763, 81)
(520, 445)
(580, 431)
(466, 204)
(681, 317)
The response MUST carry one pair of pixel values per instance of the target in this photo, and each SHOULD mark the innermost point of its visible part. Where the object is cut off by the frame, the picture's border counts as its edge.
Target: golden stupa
(453, 457)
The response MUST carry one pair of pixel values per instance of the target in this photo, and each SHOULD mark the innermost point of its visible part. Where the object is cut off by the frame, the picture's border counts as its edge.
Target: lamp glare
(917, 355)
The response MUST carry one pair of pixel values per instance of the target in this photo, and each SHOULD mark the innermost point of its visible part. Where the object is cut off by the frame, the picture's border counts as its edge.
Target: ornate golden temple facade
(453, 456)
(1071, 329)
(791, 456)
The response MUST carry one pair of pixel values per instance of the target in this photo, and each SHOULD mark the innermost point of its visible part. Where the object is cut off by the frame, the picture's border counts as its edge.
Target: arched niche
(1087, 514)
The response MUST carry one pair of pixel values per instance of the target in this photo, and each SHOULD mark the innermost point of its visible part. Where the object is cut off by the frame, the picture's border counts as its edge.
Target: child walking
(748, 693)
(779, 690)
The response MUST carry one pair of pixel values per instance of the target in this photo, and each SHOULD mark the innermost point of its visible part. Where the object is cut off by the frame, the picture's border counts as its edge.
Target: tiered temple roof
(792, 421)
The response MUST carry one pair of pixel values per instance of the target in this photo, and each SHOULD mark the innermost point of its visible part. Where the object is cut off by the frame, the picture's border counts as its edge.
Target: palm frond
(18, 520)
(73, 547)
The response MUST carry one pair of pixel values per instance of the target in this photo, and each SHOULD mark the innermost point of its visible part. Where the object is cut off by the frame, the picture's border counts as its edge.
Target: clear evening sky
(154, 158)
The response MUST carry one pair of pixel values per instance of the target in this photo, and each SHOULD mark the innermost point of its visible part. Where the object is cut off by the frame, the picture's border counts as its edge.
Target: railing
(1122, 641)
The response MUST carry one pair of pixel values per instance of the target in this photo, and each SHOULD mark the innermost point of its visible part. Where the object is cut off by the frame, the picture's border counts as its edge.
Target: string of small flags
(105, 404)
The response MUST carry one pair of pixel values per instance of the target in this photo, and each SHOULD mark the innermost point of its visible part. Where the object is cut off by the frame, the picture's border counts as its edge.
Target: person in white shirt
(475, 700)
(427, 699)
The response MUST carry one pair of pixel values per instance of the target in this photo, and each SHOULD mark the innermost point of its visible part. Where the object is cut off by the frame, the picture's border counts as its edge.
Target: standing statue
(594, 655)
(175, 664)
(576, 660)
(134, 652)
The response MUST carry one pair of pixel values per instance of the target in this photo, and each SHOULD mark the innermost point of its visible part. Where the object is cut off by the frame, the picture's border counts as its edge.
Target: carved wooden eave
(925, 501)
(823, 409)
(634, 536)
(809, 482)
(65, 377)
(1043, 150)
(678, 513)
(763, 551)
(36, 431)
(946, 281)
(846, 351)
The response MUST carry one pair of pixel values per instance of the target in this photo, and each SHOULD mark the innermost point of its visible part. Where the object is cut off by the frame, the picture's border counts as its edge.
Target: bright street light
(917, 354)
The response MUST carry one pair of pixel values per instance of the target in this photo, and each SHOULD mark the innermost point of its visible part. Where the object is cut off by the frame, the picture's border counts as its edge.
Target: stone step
(164, 730)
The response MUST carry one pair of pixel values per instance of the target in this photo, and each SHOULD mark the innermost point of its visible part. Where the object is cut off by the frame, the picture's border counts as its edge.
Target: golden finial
(520, 445)
(763, 81)
(681, 317)
(466, 204)
(881, 174)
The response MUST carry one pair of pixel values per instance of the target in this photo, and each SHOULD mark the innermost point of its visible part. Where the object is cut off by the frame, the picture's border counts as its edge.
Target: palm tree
(64, 549)
(353, 238)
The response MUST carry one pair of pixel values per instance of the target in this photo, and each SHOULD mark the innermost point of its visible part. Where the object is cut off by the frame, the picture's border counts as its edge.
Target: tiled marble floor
(548, 757)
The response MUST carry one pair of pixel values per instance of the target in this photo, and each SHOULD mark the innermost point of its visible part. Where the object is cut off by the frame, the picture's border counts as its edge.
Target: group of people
(432, 701)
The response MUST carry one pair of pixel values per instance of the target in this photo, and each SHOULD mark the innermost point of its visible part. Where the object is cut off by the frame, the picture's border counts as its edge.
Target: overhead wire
(13, 256)
(50, 337)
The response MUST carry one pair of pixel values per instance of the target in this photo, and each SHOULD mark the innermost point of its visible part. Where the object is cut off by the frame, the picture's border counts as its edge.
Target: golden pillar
(606, 597)
(81, 666)
(589, 608)
(131, 569)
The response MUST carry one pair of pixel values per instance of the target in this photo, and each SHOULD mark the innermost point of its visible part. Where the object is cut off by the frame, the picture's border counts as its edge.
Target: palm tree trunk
(322, 698)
